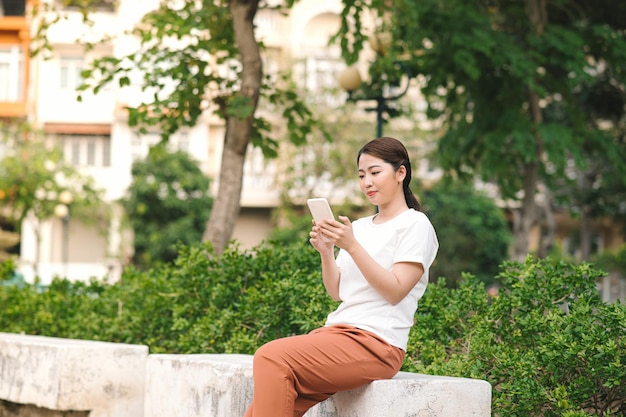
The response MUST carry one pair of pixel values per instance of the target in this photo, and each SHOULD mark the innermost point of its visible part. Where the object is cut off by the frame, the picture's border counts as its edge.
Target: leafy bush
(7, 268)
(200, 303)
(547, 343)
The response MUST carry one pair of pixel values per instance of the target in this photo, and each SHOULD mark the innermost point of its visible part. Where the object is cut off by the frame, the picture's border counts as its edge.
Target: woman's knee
(270, 352)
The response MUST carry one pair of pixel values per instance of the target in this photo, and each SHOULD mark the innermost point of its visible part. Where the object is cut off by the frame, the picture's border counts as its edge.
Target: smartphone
(320, 209)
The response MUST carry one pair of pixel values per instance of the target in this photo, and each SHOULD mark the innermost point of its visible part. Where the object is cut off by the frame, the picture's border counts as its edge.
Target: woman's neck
(388, 211)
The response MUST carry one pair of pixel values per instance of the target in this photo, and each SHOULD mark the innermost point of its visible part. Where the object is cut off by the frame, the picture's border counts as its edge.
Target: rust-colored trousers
(293, 374)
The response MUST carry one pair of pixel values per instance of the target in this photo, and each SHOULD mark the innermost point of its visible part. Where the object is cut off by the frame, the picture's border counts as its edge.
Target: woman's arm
(393, 285)
(330, 276)
(330, 271)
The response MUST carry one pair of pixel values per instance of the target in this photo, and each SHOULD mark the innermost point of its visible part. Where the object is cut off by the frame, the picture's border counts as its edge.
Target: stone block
(411, 395)
(220, 385)
(201, 385)
(105, 379)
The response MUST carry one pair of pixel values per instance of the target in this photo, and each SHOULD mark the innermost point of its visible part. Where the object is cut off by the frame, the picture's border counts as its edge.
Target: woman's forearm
(330, 275)
(393, 285)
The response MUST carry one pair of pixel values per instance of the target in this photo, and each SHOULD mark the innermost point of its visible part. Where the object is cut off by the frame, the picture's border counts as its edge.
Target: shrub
(200, 303)
(547, 343)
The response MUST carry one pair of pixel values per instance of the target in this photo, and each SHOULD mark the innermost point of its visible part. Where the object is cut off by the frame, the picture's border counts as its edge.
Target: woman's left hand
(338, 231)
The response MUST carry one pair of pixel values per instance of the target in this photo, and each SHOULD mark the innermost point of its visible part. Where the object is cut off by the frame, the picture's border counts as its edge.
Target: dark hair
(393, 152)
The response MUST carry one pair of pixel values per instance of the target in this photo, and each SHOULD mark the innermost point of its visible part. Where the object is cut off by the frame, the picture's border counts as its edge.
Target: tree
(597, 188)
(200, 38)
(168, 204)
(33, 177)
(492, 71)
(474, 233)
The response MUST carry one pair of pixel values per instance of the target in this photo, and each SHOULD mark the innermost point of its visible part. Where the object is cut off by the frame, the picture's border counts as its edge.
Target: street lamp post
(62, 211)
(350, 80)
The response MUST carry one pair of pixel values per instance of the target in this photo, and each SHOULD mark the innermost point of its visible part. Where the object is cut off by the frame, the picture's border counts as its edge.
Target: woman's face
(378, 180)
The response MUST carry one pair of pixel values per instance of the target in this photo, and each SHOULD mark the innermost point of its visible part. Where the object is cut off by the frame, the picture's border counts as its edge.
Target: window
(183, 142)
(258, 173)
(70, 69)
(141, 144)
(86, 150)
(318, 75)
(10, 73)
(13, 8)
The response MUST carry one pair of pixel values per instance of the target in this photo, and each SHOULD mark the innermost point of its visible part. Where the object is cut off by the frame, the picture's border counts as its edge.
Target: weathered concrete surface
(203, 385)
(221, 386)
(106, 379)
(411, 395)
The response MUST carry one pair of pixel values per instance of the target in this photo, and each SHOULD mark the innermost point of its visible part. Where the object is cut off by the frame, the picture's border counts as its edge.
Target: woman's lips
(371, 193)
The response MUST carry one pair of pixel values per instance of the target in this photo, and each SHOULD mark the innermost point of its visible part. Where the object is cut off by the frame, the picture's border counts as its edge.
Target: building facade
(94, 133)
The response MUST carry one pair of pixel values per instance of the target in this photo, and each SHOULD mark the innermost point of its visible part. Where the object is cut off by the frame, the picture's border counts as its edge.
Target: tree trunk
(220, 226)
(536, 11)
(585, 234)
(527, 214)
(548, 230)
(584, 187)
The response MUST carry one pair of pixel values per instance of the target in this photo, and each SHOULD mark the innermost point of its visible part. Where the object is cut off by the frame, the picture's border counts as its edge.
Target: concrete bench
(221, 386)
(101, 379)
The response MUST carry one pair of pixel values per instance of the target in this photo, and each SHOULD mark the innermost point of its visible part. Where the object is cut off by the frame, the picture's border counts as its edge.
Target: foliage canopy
(474, 229)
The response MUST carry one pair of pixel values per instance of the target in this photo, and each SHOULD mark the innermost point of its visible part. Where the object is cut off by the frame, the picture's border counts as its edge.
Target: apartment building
(94, 132)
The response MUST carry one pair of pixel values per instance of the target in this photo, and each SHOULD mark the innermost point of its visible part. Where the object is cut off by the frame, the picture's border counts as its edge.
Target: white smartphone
(320, 209)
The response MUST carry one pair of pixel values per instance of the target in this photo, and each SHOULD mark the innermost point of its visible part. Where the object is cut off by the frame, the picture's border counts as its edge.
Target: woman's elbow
(395, 299)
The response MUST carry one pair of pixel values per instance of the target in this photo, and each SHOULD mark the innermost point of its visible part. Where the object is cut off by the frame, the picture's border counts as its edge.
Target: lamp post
(62, 211)
(350, 80)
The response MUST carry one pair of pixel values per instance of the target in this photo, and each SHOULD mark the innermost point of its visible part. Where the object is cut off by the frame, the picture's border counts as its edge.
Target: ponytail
(411, 199)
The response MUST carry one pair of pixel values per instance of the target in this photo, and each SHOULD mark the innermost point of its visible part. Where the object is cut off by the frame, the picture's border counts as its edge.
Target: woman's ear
(401, 173)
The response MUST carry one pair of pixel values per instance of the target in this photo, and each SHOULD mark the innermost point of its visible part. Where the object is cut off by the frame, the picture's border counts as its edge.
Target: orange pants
(293, 374)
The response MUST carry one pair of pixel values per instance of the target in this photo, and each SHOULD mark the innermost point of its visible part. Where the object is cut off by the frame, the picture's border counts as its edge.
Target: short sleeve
(417, 242)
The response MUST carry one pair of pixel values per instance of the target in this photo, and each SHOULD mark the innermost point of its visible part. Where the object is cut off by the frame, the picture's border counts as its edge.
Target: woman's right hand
(321, 245)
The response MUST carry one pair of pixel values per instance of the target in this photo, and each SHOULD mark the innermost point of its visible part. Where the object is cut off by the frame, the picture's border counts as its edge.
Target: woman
(380, 273)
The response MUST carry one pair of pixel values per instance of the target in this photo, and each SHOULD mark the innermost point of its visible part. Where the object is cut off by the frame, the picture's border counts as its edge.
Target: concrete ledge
(411, 395)
(221, 385)
(105, 379)
(202, 385)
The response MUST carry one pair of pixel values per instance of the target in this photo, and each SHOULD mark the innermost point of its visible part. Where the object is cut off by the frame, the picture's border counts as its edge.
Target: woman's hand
(330, 272)
(337, 232)
(323, 246)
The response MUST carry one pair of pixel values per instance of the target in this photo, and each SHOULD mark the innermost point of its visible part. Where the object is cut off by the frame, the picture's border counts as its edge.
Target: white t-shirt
(408, 237)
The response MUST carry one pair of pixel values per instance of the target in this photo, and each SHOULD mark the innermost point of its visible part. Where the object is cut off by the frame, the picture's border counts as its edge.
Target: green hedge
(228, 303)
(547, 343)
